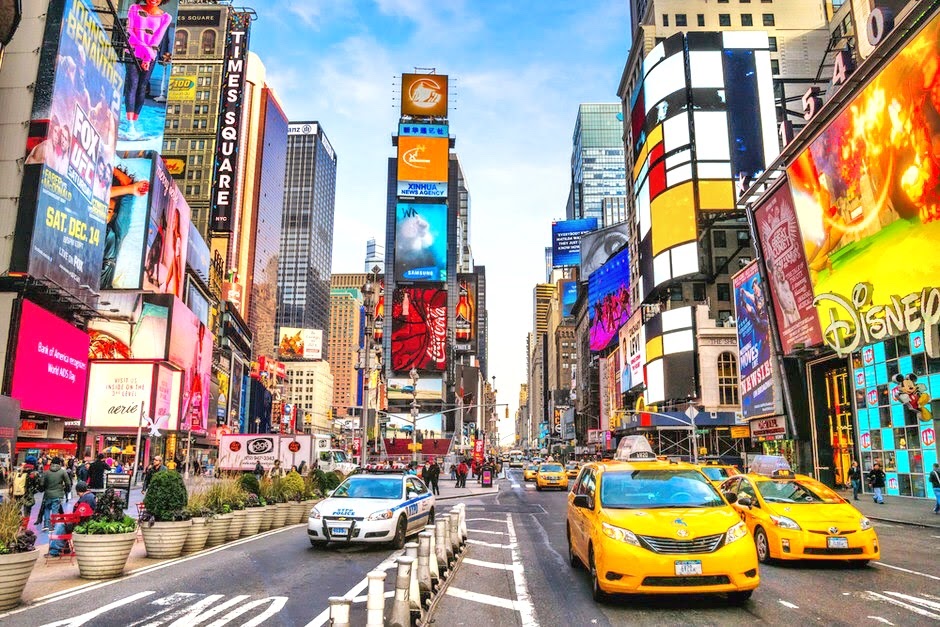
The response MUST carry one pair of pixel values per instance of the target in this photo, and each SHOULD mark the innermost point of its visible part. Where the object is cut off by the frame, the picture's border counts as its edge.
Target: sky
(518, 72)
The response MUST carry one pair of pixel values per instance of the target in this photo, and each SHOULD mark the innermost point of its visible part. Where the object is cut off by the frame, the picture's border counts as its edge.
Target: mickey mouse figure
(913, 395)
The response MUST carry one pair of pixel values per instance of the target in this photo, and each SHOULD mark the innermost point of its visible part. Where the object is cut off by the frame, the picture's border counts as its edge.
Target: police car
(372, 508)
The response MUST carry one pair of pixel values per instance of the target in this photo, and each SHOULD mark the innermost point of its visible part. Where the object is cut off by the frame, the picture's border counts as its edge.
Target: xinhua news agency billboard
(566, 240)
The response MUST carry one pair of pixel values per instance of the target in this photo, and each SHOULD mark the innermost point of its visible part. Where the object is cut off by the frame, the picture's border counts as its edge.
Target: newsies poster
(755, 357)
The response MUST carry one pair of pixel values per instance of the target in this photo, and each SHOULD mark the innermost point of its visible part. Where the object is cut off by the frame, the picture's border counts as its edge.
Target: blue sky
(518, 72)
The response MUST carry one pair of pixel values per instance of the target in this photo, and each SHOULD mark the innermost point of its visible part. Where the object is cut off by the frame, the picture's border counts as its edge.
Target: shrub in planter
(293, 486)
(166, 523)
(250, 484)
(17, 554)
(103, 542)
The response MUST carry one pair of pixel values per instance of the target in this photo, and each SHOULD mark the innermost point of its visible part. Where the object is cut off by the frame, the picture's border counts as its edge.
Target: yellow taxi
(793, 516)
(571, 469)
(528, 474)
(646, 526)
(718, 473)
(551, 475)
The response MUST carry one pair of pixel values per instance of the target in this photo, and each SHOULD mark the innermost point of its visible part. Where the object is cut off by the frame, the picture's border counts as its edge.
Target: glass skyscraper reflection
(597, 161)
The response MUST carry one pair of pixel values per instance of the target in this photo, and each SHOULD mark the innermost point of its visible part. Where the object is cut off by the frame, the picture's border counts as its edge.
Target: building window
(720, 239)
(701, 19)
(680, 20)
(675, 293)
(769, 19)
(698, 292)
(774, 67)
(724, 19)
(208, 41)
(181, 42)
(747, 19)
(665, 19)
(724, 291)
(727, 379)
(772, 43)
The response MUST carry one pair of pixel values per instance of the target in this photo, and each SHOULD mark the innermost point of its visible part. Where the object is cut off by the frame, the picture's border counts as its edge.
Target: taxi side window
(731, 485)
(587, 485)
(746, 489)
(580, 481)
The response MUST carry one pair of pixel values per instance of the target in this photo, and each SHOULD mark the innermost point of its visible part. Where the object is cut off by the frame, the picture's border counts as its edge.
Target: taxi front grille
(849, 551)
(705, 544)
(686, 582)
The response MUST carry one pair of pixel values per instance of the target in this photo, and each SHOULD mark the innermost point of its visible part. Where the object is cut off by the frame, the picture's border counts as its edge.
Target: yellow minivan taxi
(551, 475)
(646, 526)
(793, 516)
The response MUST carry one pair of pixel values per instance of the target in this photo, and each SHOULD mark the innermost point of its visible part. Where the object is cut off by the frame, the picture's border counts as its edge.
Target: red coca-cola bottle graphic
(464, 315)
(378, 326)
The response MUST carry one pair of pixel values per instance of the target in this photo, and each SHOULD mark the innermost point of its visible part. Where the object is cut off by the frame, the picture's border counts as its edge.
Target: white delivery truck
(243, 451)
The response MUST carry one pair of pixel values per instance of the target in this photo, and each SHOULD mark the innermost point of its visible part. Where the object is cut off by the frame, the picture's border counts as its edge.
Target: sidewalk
(897, 509)
(450, 492)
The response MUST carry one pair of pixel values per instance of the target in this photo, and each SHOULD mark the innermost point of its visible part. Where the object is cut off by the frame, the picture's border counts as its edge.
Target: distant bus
(516, 459)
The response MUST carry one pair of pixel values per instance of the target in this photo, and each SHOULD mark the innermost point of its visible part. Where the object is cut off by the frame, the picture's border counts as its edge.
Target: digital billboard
(782, 249)
(428, 389)
(190, 348)
(424, 95)
(421, 242)
(296, 343)
(609, 300)
(146, 338)
(867, 189)
(150, 31)
(755, 364)
(569, 296)
(419, 330)
(167, 234)
(409, 129)
(423, 159)
(63, 204)
(670, 353)
(598, 246)
(50, 366)
(566, 240)
(465, 313)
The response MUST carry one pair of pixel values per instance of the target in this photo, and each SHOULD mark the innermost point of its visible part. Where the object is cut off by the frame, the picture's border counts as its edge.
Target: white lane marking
(788, 604)
(907, 606)
(494, 565)
(496, 520)
(277, 604)
(489, 544)
(523, 603)
(171, 614)
(930, 605)
(84, 618)
(492, 533)
(938, 537)
(479, 597)
(515, 486)
(881, 620)
(323, 617)
(205, 609)
(905, 570)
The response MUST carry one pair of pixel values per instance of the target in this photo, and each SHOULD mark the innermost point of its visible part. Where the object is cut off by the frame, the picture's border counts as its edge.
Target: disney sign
(865, 323)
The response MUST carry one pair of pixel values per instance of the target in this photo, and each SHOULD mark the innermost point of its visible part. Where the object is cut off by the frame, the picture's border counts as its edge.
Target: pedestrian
(26, 482)
(876, 480)
(432, 475)
(96, 472)
(935, 484)
(453, 471)
(302, 468)
(276, 471)
(855, 477)
(259, 470)
(119, 467)
(84, 507)
(55, 485)
(82, 471)
(462, 471)
(155, 467)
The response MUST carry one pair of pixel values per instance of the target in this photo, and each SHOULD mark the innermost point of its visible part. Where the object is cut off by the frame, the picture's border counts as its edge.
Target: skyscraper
(375, 255)
(597, 165)
(303, 278)
(345, 326)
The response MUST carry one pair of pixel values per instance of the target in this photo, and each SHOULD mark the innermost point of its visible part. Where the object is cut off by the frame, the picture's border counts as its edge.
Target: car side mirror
(583, 501)
(745, 501)
(731, 497)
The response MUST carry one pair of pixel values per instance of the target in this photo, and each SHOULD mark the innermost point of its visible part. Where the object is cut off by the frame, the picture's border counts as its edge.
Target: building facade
(375, 255)
(310, 391)
(343, 348)
(597, 165)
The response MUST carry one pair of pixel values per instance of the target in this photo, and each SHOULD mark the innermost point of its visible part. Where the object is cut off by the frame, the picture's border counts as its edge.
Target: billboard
(424, 95)
(408, 129)
(190, 348)
(119, 392)
(428, 389)
(609, 300)
(423, 159)
(598, 246)
(867, 189)
(465, 313)
(419, 329)
(234, 62)
(167, 234)
(566, 240)
(296, 343)
(67, 172)
(755, 364)
(670, 356)
(782, 250)
(633, 339)
(569, 296)
(421, 242)
(146, 338)
(150, 35)
(50, 364)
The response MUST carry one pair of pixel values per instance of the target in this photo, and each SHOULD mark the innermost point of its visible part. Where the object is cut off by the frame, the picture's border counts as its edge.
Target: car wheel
(597, 593)
(401, 530)
(431, 517)
(762, 545)
(859, 563)
(573, 560)
(740, 597)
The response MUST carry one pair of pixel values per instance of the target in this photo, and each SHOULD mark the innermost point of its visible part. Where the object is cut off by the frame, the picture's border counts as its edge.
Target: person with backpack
(27, 481)
(84, 507)
(55, 485)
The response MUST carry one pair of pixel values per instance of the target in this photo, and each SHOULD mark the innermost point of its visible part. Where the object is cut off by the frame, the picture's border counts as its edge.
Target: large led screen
(670, 355)
(566, 240)
(569, 296)
(294, 343)
(423, 159)
(465, 313)
(598, 246)
(63, 204)
(867, 190)
(609, 300)
(424, 95)
(751, 308)
(421, 242)
(428, 389)
(50, 366)
(191, 350)
(144, 338)
(419, 330)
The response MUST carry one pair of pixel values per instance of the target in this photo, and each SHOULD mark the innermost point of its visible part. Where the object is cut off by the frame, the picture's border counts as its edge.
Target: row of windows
(174, 123)
(724, 19)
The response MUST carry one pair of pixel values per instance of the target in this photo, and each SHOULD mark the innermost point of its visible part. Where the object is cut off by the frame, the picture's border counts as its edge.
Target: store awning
(46, 445)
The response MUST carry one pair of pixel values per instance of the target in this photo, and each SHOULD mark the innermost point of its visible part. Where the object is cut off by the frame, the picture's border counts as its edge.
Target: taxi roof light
(771, 466)
(634, 447)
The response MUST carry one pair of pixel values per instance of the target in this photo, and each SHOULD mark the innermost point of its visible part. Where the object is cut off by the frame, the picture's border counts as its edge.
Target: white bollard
(440, 546)
(433, 566)
(448, 543)
(424, 563)
(401, 606)
(339, 611)
(375, 599)
(414, 591)
(463, 523)
(455, 531)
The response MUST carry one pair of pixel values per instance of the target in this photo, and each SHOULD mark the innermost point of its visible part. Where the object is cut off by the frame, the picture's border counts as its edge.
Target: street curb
(902, 522)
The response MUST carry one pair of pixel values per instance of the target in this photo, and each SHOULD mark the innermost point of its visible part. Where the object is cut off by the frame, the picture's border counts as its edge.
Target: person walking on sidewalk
(276, 471)
(876, 479)
(432, 474)
(96, 473)
(26, 482)
(935, 483)
(855, 477)
(462, 471)
(152, 469)
(55, 484)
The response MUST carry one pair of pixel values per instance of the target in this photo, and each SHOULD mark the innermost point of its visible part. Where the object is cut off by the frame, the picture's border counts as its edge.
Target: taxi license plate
(688, 567)
(837, 543)
(339, 531)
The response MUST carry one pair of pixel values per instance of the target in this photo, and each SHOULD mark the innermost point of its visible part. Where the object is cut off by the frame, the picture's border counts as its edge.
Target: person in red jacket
(462, 471)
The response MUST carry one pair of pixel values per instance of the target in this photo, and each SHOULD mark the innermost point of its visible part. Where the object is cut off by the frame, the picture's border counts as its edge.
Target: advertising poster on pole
(755, 357)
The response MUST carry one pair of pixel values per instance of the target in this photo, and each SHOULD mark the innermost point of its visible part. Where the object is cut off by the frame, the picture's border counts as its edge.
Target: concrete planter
(197, 536)
(280, 515)
(218, 529)
(15, 569)
(298, 512)
(253, 517)
(267, 517)
(238, 521)
(102, 556)
(165, 540)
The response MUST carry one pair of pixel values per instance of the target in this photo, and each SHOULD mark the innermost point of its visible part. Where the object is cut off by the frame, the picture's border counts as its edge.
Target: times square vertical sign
(235, 63)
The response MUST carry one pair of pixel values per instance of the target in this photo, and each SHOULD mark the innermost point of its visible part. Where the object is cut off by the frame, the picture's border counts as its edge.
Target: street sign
(691, 412)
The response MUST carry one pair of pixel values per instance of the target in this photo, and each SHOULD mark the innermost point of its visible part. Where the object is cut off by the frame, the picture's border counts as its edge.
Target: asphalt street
(516, 572)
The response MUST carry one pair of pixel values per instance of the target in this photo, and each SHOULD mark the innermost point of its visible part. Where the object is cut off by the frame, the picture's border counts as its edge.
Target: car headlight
(315, 514)
(736, 533)
(785, 523)
(618, 533)
(382, 514)
(865, 524)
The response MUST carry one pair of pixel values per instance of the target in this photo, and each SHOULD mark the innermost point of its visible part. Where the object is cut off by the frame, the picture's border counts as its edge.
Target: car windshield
(715, 473)
(550, 468)
(572, 466)
(532, 467)
(358, 487)
(794, 491)
(339, 456)
(657, 489)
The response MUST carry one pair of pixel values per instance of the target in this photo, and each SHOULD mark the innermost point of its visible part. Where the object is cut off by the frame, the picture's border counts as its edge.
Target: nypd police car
(372, 508)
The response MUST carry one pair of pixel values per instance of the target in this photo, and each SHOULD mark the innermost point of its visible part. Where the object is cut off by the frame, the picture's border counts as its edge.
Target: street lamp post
(257, 425)
(413, 375)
